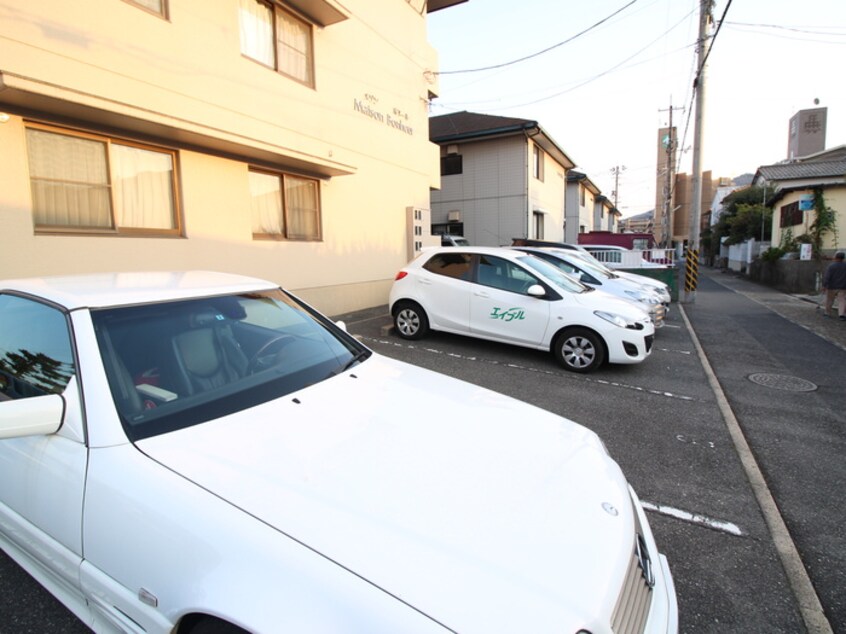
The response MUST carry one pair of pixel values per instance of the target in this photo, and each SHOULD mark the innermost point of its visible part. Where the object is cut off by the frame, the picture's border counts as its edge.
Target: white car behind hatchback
(504, 295)
(603, 279)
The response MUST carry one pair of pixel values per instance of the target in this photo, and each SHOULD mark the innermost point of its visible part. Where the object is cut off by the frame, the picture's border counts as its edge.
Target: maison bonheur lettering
(387, 119)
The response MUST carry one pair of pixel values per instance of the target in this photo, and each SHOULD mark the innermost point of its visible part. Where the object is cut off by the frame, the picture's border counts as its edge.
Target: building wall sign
(806, 202)
(396, 119)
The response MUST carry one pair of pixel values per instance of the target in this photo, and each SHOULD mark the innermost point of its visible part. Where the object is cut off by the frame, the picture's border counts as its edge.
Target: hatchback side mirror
(536, 290)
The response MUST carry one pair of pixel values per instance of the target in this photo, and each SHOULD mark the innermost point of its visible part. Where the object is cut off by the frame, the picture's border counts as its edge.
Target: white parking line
(581, 377)
(688, 352)
(693, 518)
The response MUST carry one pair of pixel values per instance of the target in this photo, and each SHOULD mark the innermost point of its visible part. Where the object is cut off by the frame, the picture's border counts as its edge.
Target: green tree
(745, 216)
(824, 223)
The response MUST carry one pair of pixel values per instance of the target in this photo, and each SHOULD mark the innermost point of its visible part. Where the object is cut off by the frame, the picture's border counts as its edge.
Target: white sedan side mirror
(536, 290)
(39, 415)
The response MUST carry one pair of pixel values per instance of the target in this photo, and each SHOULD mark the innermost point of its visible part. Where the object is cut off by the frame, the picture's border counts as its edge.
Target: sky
(603, 94)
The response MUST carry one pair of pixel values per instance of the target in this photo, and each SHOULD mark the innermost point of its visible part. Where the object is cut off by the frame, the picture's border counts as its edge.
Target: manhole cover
(783, 382)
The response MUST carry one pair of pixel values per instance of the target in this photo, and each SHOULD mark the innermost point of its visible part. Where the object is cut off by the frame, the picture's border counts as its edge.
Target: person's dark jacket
(835, 275)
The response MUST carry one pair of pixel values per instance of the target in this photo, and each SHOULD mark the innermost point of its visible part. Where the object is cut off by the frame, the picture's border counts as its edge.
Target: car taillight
(400, 275)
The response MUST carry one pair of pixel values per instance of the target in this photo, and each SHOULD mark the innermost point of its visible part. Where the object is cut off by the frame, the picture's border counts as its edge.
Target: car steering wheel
(253, 364)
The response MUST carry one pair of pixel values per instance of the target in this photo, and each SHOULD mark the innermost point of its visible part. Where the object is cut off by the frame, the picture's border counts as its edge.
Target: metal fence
(635, 259)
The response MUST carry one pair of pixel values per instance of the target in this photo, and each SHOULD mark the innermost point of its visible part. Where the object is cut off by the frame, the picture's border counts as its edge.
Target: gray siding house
(501, 178)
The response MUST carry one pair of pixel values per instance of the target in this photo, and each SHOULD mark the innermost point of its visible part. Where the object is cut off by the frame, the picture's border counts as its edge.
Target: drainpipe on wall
(529, 136)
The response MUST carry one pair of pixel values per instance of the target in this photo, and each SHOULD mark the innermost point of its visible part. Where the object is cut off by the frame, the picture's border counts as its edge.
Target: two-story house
(585, 206)
(286, 139)
(798, 186)
(501, 178)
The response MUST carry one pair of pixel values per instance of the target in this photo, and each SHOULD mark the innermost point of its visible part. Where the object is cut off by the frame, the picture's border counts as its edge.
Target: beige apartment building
(287, 140)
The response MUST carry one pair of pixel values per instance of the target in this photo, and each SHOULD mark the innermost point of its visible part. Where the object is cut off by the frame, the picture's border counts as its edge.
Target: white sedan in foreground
(200, 452)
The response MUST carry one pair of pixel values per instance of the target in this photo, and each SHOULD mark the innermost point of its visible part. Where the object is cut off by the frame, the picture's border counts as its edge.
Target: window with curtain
(284, 207)
(277, 38)
(88, 183)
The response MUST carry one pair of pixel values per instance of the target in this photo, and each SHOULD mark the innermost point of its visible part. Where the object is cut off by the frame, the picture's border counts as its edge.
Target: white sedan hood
(602, 300)
(480, 511)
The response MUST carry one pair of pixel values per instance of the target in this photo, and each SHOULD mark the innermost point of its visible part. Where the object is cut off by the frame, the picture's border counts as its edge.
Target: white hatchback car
(196, 452)
(504, 295)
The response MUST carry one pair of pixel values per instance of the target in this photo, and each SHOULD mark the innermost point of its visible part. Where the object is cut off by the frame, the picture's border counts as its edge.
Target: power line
(546, 50)
(788, 28)
(618, 67)
(599, 75)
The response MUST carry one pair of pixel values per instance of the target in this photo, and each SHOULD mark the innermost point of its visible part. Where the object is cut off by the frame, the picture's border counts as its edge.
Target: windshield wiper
(358, 357)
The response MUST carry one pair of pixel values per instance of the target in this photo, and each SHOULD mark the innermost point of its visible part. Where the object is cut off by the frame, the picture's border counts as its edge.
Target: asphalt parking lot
(668, 422)
(665, 422)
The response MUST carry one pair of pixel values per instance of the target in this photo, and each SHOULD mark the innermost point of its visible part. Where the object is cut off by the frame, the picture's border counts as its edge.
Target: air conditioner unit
(454, 216)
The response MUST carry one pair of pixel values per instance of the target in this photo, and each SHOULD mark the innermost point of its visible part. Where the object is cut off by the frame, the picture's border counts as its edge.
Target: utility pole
(703, 45)
(616, 170)
(670, 143)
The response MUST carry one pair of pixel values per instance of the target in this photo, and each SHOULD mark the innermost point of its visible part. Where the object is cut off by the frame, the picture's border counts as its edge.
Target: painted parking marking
(524, 368)
(693, 441)
(687, 352)
(693, 518)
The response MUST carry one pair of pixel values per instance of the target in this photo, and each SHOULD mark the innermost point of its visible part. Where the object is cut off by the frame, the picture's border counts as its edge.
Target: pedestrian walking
(834, 285)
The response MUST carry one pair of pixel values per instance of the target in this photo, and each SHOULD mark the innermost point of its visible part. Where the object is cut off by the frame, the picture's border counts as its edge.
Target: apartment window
(154, 6)
(791, 215)
(89, 183)
(582, 190)
(451, 164)
(538, 224)
(537, 162)
(284, 207)
(277, 38)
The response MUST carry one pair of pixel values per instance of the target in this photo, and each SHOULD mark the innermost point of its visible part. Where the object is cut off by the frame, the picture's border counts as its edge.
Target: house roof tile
(463, 124)
(804, 170)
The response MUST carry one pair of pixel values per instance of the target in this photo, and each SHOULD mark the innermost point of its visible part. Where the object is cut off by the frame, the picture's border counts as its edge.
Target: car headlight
(643, 296)
(619, 320)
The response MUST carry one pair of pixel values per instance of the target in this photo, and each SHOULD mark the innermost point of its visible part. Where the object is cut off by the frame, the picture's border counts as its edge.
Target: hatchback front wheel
(579, 350)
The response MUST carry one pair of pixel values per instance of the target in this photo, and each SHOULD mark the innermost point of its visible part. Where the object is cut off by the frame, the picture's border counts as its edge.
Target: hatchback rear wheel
(579, 350)
(410, 320)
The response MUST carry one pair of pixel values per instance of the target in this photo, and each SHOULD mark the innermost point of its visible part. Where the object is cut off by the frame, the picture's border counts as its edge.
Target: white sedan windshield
(175, 364)
(561, 279)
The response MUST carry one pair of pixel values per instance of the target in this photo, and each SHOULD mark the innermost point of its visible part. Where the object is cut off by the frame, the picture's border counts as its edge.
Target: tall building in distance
(806, 133)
